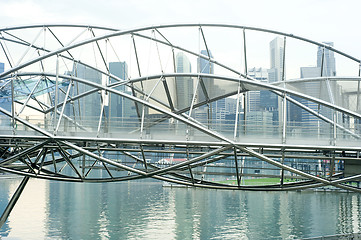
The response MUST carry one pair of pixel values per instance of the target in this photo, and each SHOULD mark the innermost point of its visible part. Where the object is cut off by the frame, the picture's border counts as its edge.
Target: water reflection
(61, 210)
(4, 199)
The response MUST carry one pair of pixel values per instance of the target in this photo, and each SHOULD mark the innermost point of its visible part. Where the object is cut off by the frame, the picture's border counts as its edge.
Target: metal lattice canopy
(178, 103)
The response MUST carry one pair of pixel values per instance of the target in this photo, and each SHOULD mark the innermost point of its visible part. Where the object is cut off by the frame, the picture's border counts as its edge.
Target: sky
(319, 20)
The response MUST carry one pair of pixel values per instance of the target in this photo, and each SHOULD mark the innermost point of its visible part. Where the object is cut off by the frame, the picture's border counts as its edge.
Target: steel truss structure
(60, 104)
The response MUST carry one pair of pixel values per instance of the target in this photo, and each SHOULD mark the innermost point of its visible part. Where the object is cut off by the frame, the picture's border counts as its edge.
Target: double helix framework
(187, 104)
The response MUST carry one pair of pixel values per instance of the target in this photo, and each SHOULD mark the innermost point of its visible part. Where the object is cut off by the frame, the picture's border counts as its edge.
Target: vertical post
(284, 111)
(56, 92)
(75, 73)
(174, 61)
(245, 51)
(284, 119)
(246, 73)
(13, 105)
(245, 109)
(334, 132)
(284, 59)
(13, 201)
(321, 75)
(332, 164)
(175, 79)
(209, 113)
(142, 122)
(358, 96)
(237, 113)
(322, 60)
(284, 101)
(101, 114)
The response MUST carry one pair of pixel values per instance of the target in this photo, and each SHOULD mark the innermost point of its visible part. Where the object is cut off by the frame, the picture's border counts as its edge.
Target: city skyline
(270, 16)
(183, 92)
(259, 104)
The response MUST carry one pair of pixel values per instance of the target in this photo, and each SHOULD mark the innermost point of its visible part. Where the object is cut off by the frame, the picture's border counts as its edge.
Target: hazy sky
(319, 20)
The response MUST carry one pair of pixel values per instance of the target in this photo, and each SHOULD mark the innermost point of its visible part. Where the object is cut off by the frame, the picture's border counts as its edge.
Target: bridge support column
(13, 201)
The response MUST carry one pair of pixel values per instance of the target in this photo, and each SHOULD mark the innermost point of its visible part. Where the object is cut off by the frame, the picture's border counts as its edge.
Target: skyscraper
(327, 58)
(318, 89)
(119, 69)
(205, 87)
(311, 88)
(254, 97)
(276, 60)
(4, 102)
(205, 66)
(276, 71)
(116, 103)
(260, 105)
(89, 105)
(184, 85)
(120, 108)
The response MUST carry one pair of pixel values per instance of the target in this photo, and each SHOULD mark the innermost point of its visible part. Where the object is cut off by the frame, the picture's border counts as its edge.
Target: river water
(147, 210)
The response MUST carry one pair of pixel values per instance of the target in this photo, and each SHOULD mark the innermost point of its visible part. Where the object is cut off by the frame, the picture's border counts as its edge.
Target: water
(146, 210)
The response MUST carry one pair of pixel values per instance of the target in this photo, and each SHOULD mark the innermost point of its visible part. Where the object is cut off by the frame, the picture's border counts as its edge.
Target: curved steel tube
(220, 142)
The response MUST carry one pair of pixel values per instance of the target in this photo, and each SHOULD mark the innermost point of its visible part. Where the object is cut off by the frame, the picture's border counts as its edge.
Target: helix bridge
(177, 103)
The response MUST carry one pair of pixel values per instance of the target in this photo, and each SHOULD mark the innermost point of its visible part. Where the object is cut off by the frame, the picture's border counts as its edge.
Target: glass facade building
(205, 66)
(184, 85)
(326, 58)
(121, 110)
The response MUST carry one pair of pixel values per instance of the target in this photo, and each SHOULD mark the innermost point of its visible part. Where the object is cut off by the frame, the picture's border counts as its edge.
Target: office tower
(205, 113)
(231, 105)
(119, 69)
(5, 102)
(205, 66)
(230, 113)
(263, 100)
(122, 112)
(276, 60)
(89, 105)
(311, 88)
(276, 72)
(260, 105)
(116, 102)
(183, 85)
(327, 58)
(219, 109)
(318, 89)
(253, 99)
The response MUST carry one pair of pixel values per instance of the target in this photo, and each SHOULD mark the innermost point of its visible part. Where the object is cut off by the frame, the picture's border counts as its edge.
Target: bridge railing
(163, 129)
